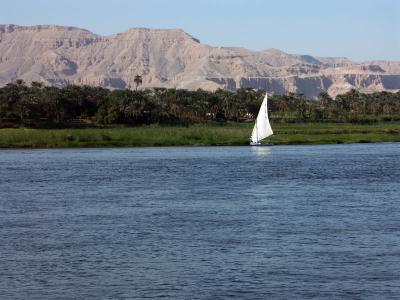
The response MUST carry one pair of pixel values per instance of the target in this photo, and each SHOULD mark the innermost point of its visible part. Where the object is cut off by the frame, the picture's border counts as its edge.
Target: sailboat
(262, 128)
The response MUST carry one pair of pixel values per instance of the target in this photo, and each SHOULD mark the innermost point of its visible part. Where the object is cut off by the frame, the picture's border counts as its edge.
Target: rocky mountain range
(58, 55)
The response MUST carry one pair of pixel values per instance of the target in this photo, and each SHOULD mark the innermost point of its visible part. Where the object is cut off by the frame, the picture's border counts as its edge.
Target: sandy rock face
(58, 55)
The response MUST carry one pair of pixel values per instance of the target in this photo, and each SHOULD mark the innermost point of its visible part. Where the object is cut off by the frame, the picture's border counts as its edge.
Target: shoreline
(232, 134)
(184, 146)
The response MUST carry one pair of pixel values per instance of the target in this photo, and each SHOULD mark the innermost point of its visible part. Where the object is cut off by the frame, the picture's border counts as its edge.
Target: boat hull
(260, 145)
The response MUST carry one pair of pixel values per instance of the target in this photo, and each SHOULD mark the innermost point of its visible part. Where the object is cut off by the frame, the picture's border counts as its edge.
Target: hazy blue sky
(359, 29)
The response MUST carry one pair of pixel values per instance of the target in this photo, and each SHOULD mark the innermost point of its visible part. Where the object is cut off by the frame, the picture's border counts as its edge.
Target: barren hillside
(59, 55)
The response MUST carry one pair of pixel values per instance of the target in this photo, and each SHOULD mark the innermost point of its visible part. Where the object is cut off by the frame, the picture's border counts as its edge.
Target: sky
(357, 29)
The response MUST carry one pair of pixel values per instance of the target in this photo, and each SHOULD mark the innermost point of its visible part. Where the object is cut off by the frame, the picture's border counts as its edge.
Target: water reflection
(261, 150)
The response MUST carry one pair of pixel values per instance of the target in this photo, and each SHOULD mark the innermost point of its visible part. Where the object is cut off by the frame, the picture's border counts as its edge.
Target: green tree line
(37, 105)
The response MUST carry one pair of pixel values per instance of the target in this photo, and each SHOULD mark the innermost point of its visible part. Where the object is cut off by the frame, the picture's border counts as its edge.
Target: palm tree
(326, 104)
(138, 81)
(281, 106)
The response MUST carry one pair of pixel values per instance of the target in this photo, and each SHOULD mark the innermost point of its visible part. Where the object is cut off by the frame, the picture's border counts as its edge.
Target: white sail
(262, 128)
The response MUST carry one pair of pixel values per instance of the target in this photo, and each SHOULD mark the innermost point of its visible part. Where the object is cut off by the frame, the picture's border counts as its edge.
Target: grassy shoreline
(232, 134)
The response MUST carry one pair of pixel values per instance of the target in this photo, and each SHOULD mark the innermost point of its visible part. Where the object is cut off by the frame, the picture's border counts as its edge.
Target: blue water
(295, 222)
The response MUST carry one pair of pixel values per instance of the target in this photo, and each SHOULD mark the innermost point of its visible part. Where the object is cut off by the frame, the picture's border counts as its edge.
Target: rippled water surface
(207, 223)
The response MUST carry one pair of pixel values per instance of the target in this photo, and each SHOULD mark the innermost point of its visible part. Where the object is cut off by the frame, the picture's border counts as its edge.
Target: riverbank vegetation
(84, 116)
(212, 134)
(39, 106)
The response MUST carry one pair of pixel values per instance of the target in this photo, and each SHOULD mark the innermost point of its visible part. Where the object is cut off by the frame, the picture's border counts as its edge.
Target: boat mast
(266, 111)
(256, 131)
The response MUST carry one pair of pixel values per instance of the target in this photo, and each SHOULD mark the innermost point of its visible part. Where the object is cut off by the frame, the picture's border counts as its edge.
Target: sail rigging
(262, 128)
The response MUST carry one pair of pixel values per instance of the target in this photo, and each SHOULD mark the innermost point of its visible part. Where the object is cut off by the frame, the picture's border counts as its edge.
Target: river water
(282, 222)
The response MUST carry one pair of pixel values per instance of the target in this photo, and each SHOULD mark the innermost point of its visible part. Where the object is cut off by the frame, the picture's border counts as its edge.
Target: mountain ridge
(60, 55)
